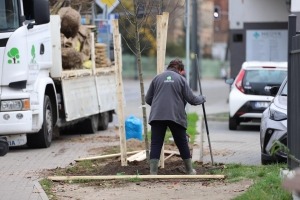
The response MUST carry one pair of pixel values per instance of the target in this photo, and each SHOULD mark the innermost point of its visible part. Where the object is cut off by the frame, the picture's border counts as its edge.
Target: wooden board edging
(68, 178)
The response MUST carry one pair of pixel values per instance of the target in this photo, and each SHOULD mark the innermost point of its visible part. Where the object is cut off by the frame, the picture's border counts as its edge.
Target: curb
(40, 190)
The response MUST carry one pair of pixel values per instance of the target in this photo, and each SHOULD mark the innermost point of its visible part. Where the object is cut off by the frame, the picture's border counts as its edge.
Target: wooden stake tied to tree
(162, 30)
(120, 112)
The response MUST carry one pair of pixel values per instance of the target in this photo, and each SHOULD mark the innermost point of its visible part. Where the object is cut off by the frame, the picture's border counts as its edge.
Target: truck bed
(85, 93)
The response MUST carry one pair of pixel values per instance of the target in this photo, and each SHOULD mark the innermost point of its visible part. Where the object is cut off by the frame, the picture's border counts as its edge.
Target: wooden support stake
(137, 157)
(119, 86)
(69, 178)
(161, 38)
(169, 156)
(105, 156)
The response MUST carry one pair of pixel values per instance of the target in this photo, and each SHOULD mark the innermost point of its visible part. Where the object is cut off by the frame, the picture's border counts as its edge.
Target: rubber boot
(153, 166)
(189, 168)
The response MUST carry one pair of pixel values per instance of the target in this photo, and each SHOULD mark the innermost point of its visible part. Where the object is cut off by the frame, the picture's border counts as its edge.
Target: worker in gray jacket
(167, 96)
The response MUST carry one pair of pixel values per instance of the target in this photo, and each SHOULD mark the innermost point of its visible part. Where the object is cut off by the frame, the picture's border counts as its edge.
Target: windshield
(9, 15)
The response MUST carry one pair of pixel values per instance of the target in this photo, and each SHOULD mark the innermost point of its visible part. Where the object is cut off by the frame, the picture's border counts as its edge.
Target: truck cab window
(9, 15)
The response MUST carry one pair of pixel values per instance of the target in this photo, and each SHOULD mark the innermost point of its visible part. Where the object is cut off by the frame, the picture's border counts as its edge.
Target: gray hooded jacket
(167, 96)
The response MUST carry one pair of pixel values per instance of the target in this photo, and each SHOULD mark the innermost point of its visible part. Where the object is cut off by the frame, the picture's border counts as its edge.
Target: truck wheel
(3, 147)
(43, 138)
(103, 121)
(91, 124)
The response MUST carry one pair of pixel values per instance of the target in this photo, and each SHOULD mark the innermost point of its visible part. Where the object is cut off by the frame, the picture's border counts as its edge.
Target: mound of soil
(173, 166)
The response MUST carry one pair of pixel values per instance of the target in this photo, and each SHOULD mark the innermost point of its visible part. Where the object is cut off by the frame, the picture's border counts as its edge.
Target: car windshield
(255, 81)
(9, 15)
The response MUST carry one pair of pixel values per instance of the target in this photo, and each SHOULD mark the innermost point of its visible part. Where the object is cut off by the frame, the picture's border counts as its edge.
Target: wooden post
(118, 177)
(119, 88)
(161, 30)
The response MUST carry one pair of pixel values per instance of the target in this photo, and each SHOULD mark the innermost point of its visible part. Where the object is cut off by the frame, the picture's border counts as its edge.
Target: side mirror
(229, 81)
(41, 12)
(30, 25)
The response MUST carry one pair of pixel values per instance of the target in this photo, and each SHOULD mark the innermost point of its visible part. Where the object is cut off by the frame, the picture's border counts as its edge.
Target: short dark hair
(176, 64)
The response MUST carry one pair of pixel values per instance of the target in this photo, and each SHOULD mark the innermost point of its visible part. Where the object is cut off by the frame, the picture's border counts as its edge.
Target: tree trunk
(139, 66)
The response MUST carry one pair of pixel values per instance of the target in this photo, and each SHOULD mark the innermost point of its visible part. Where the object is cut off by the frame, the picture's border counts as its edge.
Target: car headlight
(277, 116)
(13, 105)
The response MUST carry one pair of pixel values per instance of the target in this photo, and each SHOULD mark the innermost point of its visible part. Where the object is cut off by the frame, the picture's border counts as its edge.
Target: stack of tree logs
(101, 58)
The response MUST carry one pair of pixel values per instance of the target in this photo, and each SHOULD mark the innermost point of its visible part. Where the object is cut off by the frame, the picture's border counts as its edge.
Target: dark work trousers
(158, 132)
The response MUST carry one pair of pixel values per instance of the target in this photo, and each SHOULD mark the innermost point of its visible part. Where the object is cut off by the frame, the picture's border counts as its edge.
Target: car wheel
(103, 121)
(43, 138)
(265, 161)
(233, 123)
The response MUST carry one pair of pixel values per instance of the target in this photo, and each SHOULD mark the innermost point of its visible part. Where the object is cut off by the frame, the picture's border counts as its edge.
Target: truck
(38, 97)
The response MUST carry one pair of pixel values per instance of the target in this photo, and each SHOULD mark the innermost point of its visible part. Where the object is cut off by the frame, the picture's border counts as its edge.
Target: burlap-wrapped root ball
(71, 59)
(85, 41)
(70, 21)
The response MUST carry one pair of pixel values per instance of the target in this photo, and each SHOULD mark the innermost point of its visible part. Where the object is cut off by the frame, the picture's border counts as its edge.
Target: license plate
(16, 140)
(261, 104)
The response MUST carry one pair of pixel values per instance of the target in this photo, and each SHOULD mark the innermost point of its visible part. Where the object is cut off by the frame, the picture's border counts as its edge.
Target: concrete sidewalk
(240, 147)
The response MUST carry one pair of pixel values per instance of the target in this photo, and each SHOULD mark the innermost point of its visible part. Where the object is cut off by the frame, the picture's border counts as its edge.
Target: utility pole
(187, 39)
(194, 46)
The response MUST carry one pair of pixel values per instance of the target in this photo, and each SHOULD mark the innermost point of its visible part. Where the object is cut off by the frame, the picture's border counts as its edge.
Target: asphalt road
(21, 166)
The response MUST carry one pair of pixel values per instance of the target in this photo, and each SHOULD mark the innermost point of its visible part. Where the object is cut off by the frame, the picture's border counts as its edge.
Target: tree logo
(169, 79)
(33, 54)
(14, 56)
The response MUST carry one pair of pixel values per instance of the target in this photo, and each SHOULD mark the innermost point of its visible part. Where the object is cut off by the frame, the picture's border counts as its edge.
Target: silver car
(274, 125)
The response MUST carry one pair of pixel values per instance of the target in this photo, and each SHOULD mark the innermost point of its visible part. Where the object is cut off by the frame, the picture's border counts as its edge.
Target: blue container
(133, 128)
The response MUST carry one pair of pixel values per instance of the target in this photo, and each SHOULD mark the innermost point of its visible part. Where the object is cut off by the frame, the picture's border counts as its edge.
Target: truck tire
(3, 147)
(43, 138)
(103, 121)
(91, 124)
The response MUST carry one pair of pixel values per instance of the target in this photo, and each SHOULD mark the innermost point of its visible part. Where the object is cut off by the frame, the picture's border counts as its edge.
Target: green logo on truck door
(13, 55)
(33, 54)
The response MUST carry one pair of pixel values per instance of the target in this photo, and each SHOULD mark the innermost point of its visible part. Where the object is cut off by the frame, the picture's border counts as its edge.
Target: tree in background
(176, 33)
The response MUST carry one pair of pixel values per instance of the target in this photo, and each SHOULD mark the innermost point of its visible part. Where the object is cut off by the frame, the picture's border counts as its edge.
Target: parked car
(273, 125)
(248, 96)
